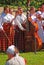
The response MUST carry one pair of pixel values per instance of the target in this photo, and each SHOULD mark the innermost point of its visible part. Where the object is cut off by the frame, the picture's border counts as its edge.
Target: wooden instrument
(31, 36)
(38, 39)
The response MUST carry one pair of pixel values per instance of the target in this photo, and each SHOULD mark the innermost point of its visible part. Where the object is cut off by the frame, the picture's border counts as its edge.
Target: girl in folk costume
(32, 17)
(2, 33)
(19, 19)
(13, 58)
(2, 36)
(6, 19)
(8, 26)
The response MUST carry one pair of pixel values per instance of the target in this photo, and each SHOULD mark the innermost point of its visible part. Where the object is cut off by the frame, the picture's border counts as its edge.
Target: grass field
(32, 59)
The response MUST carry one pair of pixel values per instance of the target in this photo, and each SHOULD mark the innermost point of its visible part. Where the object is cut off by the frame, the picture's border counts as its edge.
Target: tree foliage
(35, 3)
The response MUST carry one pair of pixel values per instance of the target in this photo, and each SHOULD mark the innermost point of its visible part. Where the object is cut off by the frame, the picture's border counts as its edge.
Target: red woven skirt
(2, 41)
(20, 39)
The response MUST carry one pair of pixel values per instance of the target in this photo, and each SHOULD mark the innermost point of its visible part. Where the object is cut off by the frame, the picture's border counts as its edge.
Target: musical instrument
(38, 39)
(31, 36)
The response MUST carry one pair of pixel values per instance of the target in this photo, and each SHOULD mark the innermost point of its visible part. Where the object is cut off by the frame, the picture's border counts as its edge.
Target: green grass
(32, 59)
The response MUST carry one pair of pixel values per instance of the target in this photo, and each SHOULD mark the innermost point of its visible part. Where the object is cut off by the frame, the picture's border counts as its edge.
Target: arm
(1, 23)
(19, 24)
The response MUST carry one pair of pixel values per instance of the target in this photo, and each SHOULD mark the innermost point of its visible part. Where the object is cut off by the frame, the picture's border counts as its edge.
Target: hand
(24, 30)
(30, 19)
(1, 28)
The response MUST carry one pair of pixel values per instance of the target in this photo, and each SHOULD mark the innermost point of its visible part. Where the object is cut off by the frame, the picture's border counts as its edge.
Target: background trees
(35, 3)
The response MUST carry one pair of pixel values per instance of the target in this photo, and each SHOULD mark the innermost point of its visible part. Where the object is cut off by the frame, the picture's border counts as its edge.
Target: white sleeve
(1, 23)
(4, 20)
(19, 24)
(13, 23)
(24, 18)
(42, 15)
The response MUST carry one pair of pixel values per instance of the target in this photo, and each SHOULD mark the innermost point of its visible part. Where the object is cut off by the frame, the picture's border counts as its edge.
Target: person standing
(20, 34)
(2, 34)
(14, 59)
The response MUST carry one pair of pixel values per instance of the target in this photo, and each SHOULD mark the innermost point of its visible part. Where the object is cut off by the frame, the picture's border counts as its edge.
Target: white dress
(8, 18)
(40, 30)
(42, 16)
(1, 27)
(18, 22)
(16, 61)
